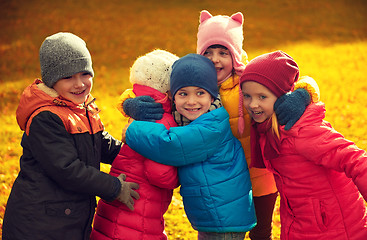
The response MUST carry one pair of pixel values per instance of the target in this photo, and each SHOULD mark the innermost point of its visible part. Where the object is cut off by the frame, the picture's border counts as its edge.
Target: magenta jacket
(113, 220)
(322, 181)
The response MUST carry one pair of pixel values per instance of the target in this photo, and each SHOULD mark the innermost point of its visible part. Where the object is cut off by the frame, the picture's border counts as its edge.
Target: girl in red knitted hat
(321, 177)
(220, 39)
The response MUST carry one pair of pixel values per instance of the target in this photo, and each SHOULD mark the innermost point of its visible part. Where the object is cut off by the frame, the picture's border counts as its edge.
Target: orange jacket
(262, 180)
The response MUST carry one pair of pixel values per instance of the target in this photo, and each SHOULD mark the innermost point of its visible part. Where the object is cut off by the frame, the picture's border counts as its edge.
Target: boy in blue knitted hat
(214, 177)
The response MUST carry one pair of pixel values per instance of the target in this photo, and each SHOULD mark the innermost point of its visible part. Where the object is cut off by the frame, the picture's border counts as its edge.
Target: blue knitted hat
(194, 70)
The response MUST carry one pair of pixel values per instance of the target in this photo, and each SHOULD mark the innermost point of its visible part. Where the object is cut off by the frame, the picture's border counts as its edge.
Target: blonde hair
(275, 125)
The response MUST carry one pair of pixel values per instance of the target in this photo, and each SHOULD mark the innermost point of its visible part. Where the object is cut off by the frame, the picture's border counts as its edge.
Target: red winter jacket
(319, 175)
(113, 220)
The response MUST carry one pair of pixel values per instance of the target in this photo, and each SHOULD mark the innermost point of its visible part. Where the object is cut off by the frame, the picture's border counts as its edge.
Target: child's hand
(143, 108)
(127, 193)
(123, 136)
(290, 107)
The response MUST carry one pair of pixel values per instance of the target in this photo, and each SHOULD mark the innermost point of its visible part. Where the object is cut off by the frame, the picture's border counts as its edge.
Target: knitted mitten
(143, 108)
(290, 107)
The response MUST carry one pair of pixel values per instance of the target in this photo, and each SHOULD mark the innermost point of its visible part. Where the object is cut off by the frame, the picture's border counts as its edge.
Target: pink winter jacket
(113, 220)
(322, 181)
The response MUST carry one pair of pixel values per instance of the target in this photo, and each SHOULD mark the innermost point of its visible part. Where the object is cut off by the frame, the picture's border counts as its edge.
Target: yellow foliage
(328, 40)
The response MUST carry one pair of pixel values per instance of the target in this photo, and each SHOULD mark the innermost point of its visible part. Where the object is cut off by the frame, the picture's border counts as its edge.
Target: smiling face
(222, 59)
(258, 100)
(192, 102)
(75, 88)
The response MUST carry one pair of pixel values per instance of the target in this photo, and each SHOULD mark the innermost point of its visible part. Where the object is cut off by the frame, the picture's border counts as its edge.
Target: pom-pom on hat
(194, 70)
(62, 55)
(222, 30)
(153, 70)
(276, 70)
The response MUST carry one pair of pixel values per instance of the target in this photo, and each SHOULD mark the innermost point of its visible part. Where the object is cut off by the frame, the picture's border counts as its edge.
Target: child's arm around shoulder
(177, 146)
(142, 108)
(290, 107)
(160, 175)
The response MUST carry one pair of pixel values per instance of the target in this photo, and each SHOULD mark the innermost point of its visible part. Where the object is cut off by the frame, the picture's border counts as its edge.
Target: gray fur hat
(62, 55)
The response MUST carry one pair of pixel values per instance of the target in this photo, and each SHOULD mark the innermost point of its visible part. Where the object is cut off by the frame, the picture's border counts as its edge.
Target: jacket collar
(231, 82)
(38, 95)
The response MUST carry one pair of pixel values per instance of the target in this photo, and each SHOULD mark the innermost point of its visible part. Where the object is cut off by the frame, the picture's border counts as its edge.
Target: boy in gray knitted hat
(64, 142)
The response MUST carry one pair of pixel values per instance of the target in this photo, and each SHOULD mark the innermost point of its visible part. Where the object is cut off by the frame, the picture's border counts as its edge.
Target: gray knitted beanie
(63, 55)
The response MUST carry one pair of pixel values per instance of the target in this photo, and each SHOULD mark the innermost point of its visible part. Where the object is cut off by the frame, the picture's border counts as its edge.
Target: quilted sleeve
(178, 146)
(128, 93)
(161, 175)
(328, 148)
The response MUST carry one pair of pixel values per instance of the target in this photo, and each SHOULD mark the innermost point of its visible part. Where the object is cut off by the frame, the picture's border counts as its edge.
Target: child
(220, 39)
(215, 182)
(150, 76)
(319, 174)
(53, 196)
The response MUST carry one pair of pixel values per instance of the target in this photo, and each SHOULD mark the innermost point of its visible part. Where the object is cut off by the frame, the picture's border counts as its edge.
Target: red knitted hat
(276, 70)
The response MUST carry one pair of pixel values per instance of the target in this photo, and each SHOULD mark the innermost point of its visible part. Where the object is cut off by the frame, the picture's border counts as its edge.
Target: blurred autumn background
(327, 38)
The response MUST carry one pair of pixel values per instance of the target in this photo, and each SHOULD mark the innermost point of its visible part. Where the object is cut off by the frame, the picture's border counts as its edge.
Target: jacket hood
(314, 113)
(38, 95)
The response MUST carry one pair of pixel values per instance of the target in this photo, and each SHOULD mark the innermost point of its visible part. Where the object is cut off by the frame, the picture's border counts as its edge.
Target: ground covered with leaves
(328, 39)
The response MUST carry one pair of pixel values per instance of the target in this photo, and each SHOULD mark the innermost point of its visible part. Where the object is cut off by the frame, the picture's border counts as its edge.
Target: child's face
(258, 101)
(75, 88)
(192, 102)
(222, 59)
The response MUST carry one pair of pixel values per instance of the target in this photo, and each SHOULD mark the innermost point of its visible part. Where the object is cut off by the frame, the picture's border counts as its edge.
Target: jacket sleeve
(161, 175)
(110, 148)
(128, 93)
(54, 149)
(328, 148)
(178, 146)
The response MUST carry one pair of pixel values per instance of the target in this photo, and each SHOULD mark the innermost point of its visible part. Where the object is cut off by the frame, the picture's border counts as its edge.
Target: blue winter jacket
(214, 177)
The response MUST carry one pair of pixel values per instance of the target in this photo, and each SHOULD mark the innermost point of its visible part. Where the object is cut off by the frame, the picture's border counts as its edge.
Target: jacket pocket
(305, 216)
(66, 209)
(199, 205)
(320, 214)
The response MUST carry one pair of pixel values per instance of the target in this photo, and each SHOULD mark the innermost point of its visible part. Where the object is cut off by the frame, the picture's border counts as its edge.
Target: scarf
(264, 143)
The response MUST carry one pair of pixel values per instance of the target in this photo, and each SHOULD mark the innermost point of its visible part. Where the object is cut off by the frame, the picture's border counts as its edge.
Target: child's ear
(213, 99)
